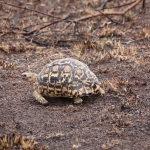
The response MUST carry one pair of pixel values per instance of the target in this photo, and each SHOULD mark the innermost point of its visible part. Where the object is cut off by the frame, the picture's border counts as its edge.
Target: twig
(143, 4)
(130, 7)
(17, 19)
(7, 18)
(40, 28)
(109, 13)
(120, 5)
(86, 17)
(6, 26)
(65, 27)
(2, 2)
(75, 20)
(3, 34)
(113, 21)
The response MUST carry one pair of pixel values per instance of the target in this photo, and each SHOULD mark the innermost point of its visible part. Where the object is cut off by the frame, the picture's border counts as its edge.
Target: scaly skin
(40, 98)
(77, 100)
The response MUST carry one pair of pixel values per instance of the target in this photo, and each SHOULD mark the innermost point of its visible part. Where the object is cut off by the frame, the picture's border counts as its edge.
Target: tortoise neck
(34, 78)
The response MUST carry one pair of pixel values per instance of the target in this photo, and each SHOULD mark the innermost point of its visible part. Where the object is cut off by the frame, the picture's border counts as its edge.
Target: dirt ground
(120, 57)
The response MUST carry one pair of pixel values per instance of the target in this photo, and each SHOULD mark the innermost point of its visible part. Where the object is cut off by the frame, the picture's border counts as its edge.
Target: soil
(120, 120)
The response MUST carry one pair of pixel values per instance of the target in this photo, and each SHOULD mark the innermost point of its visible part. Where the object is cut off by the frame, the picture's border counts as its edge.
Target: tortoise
(66, 77)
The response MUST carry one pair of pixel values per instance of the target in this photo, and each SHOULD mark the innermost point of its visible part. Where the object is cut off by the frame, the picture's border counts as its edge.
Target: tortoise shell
(66, 78)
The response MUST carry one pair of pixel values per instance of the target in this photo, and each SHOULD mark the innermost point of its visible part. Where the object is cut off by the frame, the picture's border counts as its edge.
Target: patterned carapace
(66, 78)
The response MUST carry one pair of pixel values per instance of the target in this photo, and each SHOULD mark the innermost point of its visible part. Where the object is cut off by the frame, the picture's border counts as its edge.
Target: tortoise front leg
(40, 98)
(102, 92)
(78, 100)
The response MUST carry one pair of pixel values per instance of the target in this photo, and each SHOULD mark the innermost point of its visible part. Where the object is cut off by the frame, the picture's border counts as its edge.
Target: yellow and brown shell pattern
(67, 78)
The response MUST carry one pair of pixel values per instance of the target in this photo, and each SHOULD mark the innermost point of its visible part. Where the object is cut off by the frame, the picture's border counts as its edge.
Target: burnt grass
(119, 121)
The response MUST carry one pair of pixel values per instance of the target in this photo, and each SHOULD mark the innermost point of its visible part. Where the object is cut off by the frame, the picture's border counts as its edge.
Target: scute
(66, 78)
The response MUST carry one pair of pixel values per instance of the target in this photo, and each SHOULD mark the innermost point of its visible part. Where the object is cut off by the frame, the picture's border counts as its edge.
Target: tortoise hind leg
(78, 100)
(102, 92)
(40, 98)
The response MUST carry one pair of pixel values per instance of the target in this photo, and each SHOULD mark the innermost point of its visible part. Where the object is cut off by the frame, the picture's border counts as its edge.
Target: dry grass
(6, 65)
(93, 52)
(118, 55)
(146, 33)
(115, 85)
(110, 144)
(107, 32)
(11, 141)
(18, 47)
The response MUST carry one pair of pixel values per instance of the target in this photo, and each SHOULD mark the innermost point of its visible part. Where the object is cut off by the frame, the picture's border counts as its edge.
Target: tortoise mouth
(23, 76)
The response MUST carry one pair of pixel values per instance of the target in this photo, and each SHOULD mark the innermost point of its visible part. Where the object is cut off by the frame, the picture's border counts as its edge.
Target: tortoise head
(29, 76)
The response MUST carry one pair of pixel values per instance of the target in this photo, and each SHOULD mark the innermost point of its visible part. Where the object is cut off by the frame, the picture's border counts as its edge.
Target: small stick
(29, 9)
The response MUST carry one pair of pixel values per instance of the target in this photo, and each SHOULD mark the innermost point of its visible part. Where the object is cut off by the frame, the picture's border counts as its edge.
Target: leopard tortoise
(64, 78)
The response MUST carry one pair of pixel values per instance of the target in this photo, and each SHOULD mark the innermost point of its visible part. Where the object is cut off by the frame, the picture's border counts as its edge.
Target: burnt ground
(120, 58)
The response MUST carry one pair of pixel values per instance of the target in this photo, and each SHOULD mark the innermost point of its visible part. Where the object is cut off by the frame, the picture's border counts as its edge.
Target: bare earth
(119, 121)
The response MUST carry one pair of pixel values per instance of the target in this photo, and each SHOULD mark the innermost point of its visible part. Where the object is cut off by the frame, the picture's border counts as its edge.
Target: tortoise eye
(24, 75)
